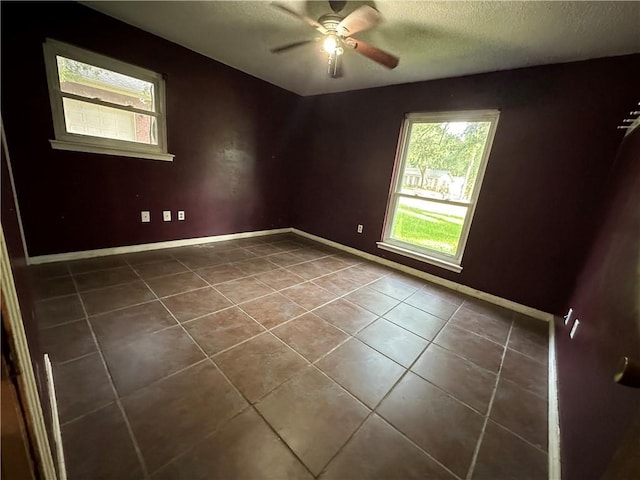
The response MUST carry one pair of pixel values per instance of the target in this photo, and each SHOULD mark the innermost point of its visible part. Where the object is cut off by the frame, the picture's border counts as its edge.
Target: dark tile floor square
(346, 315)
(272, 310)
(415, 320)
(243, 289)
(364, 372)
(68, 341)
(464, 380)
(99, 446)
(308, 295)
(258, 366)
(190, 305)
(159, 269)
(522, 412)
(125, 325)
(494, 328)
(150, 357)
(393, 341)
(173, 284)
(279, 279)
(475, 348)
(107, 299)
(245, 448)
(82, 386)
(105, 278)
(172, 415)
(55, 311)
(372, 300)
(313, 415)
(310, 336)
(435, 304)
(378, 452)
(503, 455)
(221, 330)
(218, 361)
(426, 415)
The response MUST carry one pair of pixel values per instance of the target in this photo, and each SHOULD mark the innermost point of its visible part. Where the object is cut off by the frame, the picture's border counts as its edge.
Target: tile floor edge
(503, 302)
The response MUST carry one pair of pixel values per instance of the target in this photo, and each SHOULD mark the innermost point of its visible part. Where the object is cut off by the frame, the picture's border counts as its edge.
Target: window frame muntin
(450, 262)
(65, 140)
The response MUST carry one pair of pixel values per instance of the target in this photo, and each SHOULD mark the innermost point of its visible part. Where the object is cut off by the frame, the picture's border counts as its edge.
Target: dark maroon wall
(594, 411)
(230, 172)
(555, 142)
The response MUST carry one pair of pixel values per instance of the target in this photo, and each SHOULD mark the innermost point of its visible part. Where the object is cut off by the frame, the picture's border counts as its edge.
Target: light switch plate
(145, 216)
(166, 215)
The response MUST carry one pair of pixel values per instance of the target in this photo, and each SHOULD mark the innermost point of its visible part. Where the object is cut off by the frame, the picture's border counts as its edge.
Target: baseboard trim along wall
(144, 247)
(555, 466)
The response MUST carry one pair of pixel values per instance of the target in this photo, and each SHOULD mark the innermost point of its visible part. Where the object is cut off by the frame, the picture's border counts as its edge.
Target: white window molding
(429, 192)
(99, 112)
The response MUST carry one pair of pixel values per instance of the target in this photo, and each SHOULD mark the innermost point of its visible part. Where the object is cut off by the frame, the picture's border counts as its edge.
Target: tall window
(438, 174)
(102, 105)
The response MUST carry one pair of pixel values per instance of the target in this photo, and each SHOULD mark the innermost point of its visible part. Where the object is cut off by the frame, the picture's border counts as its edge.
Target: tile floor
(275, 357)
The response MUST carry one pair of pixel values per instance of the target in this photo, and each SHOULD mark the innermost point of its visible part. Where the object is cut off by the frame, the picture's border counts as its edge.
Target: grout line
(476, 451)
(134, 441)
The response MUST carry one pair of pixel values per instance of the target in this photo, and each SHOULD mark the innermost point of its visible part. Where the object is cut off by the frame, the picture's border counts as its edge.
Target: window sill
(83, 147)
(421, 257)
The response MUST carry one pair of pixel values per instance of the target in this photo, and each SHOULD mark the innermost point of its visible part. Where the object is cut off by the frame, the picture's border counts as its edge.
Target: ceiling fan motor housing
(330, 21)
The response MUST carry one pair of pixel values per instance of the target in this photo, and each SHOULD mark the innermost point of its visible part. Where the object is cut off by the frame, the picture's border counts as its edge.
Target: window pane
(433, 225)
(96, 120)
(95, 82)
(443, 159)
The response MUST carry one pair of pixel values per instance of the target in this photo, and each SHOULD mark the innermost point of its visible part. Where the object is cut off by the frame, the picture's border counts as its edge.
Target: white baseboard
(503, 302)
(472, 292)
(555, 466)
(103, 252)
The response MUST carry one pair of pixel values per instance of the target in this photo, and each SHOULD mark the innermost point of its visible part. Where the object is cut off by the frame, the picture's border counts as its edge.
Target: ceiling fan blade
(335, 66)
(299, 16)
(361, 19)
(290, 46)
(375, 54)
(337, 5)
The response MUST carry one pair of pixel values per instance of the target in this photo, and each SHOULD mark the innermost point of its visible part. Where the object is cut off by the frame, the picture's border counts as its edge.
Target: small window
(438, 174)
(102, 105)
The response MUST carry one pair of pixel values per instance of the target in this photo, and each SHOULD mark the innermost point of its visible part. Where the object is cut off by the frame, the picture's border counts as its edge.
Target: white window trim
(86, 143)
(449, 262)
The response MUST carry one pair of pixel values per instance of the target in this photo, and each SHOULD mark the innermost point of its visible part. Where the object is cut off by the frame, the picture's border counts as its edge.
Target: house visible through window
(102, 105)
(441, 162)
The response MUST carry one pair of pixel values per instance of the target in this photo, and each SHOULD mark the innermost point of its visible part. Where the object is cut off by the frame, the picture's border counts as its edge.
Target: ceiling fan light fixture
(331, 45)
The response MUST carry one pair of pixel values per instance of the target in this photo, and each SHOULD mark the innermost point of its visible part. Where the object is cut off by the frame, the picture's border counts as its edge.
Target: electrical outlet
(360, 228)
(166, 215)
(145, 216)
(180, 214)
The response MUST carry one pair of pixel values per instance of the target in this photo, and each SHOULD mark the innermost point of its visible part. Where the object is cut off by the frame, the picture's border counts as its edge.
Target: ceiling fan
(337, 32)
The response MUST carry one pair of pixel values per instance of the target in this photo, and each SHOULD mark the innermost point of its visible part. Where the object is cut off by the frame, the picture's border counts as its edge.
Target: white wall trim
(103, 252)
(503, 302)
(29, 386)
(555, 465)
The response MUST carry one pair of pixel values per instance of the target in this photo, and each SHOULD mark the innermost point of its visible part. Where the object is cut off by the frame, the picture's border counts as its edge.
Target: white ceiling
(433, 39)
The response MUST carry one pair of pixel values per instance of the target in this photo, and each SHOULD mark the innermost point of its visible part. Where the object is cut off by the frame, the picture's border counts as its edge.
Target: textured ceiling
(432, 39)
